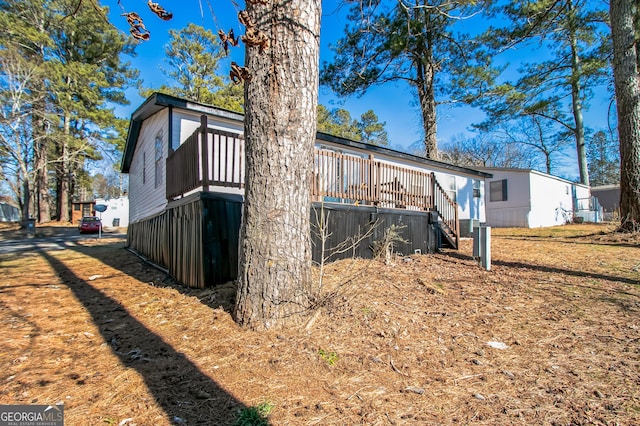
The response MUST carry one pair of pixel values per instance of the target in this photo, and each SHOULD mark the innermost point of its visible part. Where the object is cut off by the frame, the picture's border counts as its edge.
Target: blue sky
(394, 103)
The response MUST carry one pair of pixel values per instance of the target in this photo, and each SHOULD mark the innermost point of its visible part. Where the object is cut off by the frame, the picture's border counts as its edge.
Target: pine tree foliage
(68, 109)
(603, 155)
(412, 42)
(569, 41)
(338, 122)
(193, 57)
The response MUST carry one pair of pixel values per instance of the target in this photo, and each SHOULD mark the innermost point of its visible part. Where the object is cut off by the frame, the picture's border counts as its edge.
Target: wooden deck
(211, 159)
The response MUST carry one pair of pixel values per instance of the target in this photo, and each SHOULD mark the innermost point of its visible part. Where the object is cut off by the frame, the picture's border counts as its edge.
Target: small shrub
(330, 357)
(254, 416)
(386, 246)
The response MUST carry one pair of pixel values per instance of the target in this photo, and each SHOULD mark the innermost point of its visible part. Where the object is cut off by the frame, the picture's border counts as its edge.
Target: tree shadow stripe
(178, 385)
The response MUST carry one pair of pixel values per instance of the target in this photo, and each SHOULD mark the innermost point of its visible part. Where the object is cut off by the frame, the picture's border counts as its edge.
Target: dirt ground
(549, 336)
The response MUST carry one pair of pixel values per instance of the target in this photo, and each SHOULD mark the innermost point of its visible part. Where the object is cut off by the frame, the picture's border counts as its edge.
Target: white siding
(147, 199)
(514, 211)
(117, 208)
(534, 200)
(551, 200)
(470, 207)
(185, 123)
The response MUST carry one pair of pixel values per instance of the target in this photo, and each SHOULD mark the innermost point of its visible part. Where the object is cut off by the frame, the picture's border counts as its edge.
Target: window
(144, 167)
(158, 159)
(498, 190)
(76, 207)
(476, 188)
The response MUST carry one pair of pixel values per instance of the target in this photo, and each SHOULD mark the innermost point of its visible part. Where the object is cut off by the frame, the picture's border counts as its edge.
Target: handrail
(183, 171)
(447, 209)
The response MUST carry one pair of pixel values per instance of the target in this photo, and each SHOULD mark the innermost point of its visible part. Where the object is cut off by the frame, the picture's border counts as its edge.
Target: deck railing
(209, 157)
(351, 179)
(337, 177)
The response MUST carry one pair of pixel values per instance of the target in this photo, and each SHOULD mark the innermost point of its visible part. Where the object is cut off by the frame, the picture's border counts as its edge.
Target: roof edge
(154, 103)
(399, 154)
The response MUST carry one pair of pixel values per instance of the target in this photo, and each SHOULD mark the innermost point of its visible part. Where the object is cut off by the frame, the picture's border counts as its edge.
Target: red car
(89, 224)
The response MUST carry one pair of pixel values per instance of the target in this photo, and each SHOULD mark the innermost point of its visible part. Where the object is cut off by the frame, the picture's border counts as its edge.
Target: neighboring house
(186, 177)
(609, 198)
(532, 199)
(117, 213)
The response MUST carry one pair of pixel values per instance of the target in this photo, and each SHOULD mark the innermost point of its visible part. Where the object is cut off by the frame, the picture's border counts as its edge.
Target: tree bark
(41, 165)
(426, 97)
(576, 100)
(25, 205)
(274, 282)
(425, 73)
(64, 206)
(42, 182)
(627, 88)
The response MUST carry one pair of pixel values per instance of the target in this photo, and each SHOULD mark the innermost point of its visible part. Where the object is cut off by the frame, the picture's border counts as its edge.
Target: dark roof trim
(531, 171)
(158, 101)
(398, 154)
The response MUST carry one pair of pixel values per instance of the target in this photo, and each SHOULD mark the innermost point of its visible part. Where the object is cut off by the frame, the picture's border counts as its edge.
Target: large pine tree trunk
(42, 183)
(275, 287)
(627, 86)
(42, 177)
(426, 97)
(25, 204)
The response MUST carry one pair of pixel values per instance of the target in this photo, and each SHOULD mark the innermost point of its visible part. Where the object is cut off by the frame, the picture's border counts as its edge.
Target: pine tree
(193, 58)
(575, 40)
(625, 24)
(401, 41)
(603, 155)
(24, 123)
(274, 282)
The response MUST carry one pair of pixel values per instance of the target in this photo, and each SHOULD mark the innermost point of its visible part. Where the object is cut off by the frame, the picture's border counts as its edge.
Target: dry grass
(94, 327)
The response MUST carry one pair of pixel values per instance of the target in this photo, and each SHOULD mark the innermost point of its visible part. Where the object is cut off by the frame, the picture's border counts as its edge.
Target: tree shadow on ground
(220, 296)
(186, 394)
(550, 269)
(572, 239)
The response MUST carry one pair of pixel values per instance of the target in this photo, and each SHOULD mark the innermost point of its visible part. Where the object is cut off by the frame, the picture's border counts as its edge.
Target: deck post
(375, 179)
(204, 151)
(457, 224)
(432, 188)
